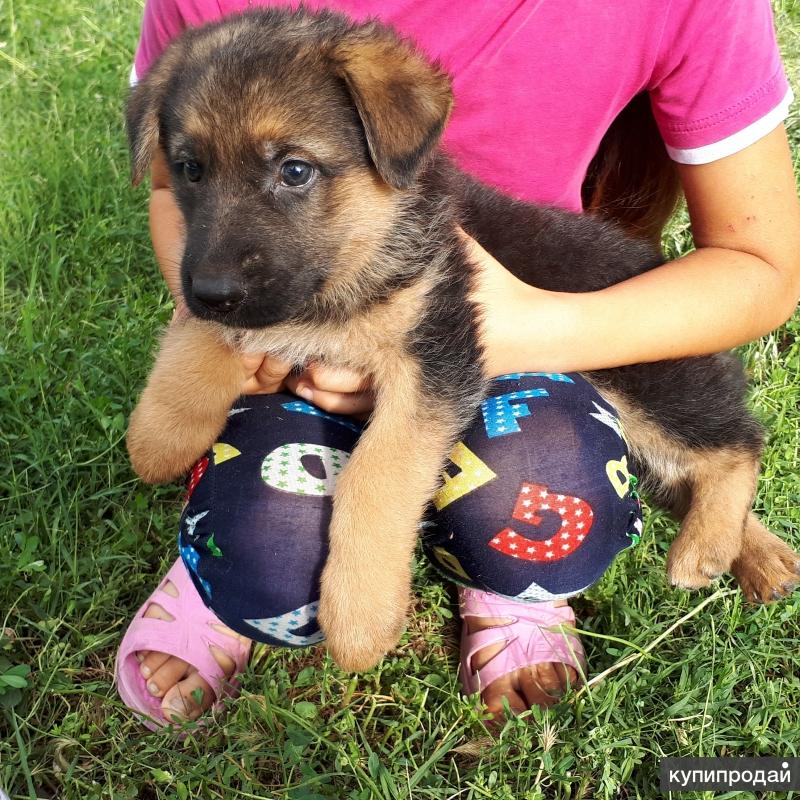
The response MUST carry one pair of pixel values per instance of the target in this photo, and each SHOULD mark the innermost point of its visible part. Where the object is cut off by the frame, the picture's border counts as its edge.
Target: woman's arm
(741, 282)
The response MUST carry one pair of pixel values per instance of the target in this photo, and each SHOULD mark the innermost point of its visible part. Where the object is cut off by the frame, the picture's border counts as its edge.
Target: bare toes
(151, 663)
(150, 660)
(548, 678)
(503, 688)
(166, 676)
(535, 694)
(188, 699)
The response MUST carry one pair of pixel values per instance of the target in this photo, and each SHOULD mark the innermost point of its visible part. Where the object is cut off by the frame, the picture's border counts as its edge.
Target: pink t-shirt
(538, 82)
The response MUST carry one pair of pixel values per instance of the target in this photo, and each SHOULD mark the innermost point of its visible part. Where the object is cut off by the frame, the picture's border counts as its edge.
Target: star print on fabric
(191, 522)
(283, 626)
(197, 472)
(576, 522)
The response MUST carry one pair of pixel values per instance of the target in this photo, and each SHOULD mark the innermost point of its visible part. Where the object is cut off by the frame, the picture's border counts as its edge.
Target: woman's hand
(506, 303)
(264, 374)
(335, 390)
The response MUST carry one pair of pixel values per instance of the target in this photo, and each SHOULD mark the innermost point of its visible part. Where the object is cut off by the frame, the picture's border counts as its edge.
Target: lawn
(81, 304)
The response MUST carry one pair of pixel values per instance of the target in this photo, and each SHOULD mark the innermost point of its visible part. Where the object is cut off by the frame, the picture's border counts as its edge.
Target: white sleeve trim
(133, 79)
(736, 141)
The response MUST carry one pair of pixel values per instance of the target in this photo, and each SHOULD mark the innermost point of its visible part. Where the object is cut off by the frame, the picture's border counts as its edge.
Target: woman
(535, 89)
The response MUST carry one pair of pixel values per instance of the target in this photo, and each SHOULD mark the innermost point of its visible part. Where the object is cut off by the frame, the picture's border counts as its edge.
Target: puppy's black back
(697, 401)
(546, 247)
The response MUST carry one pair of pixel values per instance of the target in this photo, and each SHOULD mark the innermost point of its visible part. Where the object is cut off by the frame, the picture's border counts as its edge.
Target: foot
(535, 685)
(529, 660)
(184, 694)
(177, 659)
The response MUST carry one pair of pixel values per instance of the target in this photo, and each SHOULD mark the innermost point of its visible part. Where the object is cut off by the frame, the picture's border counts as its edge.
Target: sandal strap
(535, 635)
(188, 636)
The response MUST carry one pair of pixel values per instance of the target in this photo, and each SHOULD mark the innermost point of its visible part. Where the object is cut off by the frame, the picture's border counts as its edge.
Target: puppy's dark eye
(193, 171)
(296, 173)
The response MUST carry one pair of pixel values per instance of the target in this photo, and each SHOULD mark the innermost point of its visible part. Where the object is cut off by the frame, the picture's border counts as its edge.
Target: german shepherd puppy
(322, 224)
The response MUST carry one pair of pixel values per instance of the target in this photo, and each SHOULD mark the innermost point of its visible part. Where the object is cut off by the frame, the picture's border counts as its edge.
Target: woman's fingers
(267, 374)
(333, 379)
(336, 390)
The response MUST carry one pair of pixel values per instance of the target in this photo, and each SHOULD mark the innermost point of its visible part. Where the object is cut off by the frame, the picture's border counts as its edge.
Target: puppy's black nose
(219, 294)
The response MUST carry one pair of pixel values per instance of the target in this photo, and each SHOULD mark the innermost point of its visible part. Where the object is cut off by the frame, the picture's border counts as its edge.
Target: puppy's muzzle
(218, 294)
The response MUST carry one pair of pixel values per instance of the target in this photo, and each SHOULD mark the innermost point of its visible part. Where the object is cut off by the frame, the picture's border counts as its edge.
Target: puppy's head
(291, 140)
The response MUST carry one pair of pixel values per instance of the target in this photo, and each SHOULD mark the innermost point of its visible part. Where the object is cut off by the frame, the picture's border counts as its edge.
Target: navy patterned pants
(536, 502)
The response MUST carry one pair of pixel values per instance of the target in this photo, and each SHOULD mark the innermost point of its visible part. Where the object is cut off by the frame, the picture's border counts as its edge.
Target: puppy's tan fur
(185, 403)
(706, 490)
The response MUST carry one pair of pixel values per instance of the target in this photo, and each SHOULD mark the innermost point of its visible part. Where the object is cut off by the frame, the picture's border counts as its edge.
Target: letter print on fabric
(197, 472)
(619, 475)
(285, 626)
(224, 452)
(474, 473)
(301, 468)
(535, 593)
(576, 522)
(500, 416)
(607, 418)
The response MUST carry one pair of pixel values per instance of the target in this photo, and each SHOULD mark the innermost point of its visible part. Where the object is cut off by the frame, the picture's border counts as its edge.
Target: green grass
(83, 541)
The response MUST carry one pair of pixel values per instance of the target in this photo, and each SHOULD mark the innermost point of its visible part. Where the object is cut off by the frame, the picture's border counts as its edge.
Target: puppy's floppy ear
(144, 106)
(402, 99)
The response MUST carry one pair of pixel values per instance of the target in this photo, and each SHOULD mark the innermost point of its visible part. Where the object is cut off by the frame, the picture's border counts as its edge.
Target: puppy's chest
(352, 346)
(371, 340)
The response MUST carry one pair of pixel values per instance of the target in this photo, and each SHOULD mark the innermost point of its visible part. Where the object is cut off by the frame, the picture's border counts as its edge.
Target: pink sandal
(532, 637)
(187, 636)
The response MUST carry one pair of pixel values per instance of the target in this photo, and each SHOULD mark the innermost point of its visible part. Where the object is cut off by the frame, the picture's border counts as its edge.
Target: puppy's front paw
(160, 450)
(693, 563)
(361, 624)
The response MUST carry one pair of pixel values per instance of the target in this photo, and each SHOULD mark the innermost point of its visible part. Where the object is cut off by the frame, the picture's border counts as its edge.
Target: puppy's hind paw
(690, 566)
(767, 570)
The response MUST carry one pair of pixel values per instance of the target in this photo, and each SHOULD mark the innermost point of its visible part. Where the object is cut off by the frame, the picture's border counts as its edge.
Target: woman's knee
(254, 530)
(541, 499)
